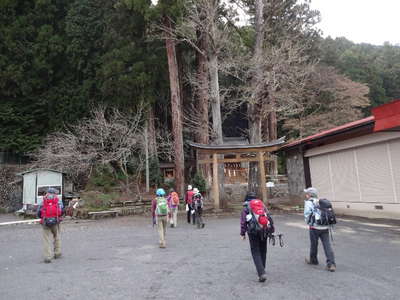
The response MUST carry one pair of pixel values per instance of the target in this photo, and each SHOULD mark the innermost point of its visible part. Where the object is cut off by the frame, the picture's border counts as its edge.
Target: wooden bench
(104, 213)
(116, 204)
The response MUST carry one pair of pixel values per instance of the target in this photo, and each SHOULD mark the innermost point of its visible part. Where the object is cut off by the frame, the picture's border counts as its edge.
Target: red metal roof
(331, 131)
(387, 116)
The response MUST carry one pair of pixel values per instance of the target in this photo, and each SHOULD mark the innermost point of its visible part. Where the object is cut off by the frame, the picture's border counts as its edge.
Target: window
(42, 190)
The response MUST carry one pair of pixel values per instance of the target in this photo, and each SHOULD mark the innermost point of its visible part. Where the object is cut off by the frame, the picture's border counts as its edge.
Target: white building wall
(361, 178)
(29, 190)
(46, 178)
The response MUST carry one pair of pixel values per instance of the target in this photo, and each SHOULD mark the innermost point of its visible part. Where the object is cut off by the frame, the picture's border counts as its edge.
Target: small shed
(167, 170)
(37, 182)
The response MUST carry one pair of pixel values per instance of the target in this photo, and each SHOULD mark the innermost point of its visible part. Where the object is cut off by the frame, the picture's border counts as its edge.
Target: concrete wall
(235, 193)
(295, 173)
(369, 210)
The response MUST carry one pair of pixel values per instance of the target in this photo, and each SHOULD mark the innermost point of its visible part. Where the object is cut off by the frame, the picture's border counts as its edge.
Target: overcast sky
(368, 21)
(361, 21)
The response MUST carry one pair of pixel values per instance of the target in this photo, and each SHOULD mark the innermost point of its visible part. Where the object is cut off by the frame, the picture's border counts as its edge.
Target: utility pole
(146, 147)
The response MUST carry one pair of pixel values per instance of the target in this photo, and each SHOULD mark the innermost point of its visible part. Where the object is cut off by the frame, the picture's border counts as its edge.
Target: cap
(311, 191)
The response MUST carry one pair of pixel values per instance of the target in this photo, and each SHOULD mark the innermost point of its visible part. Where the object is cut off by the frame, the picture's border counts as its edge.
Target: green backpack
(162, 207)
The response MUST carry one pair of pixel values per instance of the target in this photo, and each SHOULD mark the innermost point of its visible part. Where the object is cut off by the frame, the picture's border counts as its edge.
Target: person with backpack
(198, 203)
(173, 204)
(319, 216)
(256, 222)
(160, 212)
(50, 212)
(189, 201)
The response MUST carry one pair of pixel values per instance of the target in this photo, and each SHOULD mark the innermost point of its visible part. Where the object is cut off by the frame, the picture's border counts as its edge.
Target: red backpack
(259, 220)
(51, 211)
(259, 211)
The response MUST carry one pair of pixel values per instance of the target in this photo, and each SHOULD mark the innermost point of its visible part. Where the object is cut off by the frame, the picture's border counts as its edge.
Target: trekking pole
(281, 243)
(272, 239)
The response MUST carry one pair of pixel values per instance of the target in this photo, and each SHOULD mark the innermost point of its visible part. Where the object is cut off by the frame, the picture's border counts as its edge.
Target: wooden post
(262, 177)
(215, 181)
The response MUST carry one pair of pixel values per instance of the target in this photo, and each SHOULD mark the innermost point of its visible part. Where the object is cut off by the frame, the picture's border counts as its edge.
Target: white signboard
(270, 184)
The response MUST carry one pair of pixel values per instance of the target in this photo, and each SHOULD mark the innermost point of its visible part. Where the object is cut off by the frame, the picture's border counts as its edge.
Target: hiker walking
(50, 212)
(173, 204)
(312, 214)
(159, 209)
(198, 207)
(254, 221)
(189, 201)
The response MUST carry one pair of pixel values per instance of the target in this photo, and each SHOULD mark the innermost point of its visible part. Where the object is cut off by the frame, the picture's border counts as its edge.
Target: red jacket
(189, 197)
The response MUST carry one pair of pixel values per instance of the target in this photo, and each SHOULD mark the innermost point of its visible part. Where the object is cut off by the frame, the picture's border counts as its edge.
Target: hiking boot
(309, 262)
(56, 256)
(47, 260)
(262, 278)
(331, 268)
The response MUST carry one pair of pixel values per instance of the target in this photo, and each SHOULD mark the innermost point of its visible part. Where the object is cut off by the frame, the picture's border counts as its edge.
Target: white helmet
(196, 190)
(189, 187)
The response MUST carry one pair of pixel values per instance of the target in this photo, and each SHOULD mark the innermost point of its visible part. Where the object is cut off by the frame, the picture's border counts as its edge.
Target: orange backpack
(174, 199)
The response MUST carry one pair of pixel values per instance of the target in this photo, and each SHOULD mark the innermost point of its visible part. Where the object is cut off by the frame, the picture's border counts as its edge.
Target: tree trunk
(254, 107)
(215, 99)
(176, 111)
(203, 99)
(273, 135)
(216, 117)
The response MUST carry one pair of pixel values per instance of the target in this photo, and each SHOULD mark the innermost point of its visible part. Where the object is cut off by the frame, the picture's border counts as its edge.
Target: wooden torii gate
(261, 152)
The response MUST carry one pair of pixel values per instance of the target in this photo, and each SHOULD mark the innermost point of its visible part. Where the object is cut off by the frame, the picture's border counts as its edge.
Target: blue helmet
(160, 192)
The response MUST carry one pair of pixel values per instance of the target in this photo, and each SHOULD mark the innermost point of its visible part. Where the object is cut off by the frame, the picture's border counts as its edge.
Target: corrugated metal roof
(387, 116)
(40, 169)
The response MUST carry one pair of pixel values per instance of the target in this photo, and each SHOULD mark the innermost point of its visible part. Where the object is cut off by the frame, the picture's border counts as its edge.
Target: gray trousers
(316, 234)
(199, 217)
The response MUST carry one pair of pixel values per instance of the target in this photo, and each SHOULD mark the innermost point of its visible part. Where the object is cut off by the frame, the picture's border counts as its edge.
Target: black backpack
(328, 216)
(198, 201)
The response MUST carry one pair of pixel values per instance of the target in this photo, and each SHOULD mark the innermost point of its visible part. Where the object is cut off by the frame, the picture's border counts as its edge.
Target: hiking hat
(160, 192)
(251, 195)
(189, 187)
(52, 191)
(313, 192)
(196, 190)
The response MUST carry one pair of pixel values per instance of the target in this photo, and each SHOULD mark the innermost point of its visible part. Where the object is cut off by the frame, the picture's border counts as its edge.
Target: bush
(199, 182)
(169, 184)
(97, 201)
(156, 178)
(103, 179)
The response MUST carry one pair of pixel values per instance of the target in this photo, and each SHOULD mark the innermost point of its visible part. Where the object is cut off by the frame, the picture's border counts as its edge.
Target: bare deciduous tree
(107, 137)
(330, 99)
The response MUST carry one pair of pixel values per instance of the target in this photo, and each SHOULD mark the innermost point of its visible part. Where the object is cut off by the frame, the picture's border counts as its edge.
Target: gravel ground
(120, 259)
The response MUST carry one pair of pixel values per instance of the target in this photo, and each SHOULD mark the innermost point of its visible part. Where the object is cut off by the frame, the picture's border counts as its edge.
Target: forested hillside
(377, 66)
(188, 67)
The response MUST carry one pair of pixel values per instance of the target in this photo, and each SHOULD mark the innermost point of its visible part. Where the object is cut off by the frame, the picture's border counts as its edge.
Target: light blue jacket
(310, 208)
